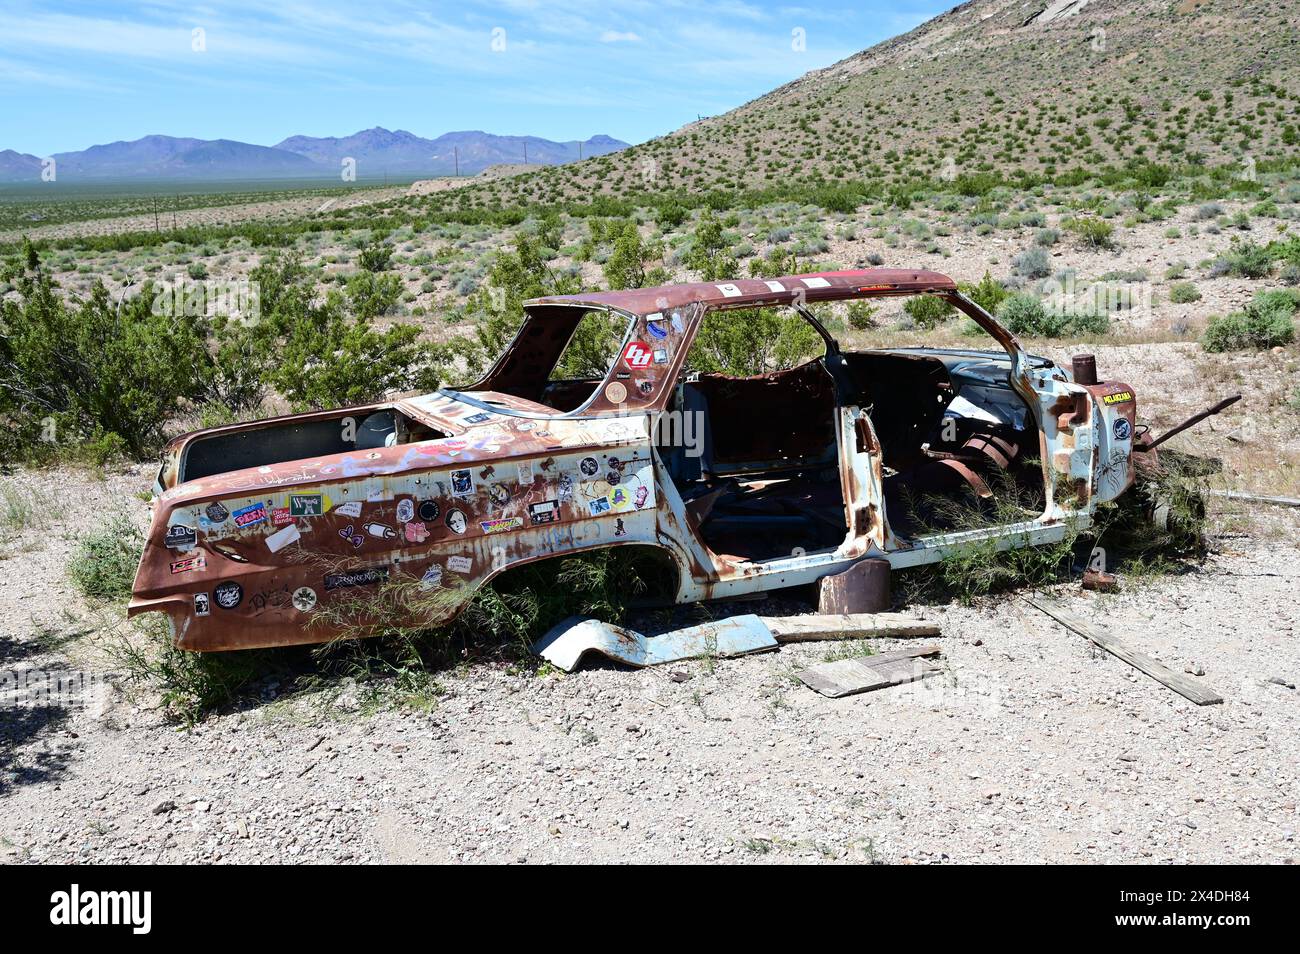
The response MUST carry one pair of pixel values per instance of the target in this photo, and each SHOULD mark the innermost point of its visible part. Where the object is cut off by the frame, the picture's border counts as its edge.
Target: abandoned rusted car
(744, 484)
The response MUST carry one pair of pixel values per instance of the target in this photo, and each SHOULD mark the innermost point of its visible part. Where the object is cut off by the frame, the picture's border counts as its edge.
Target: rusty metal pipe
(1194, 420)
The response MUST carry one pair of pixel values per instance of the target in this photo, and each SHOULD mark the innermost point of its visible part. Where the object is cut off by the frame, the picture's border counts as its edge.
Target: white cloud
(613, 36)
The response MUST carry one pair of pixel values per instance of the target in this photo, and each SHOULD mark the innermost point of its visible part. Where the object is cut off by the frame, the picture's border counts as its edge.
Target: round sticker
(228, 595)
(1123, 429)
(405, 510)
(304, 599)
(428, 510)
(589, 466)
(615, 393)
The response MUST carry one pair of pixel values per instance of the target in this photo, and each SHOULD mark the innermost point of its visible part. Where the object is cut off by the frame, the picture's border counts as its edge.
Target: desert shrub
(376, 257)
(671, 214)
(93, 370)
(1091, 232)
(1244, 260)
(928, 310)
(1266, 322)
(752, 341)
(626, 266)
(1025, 314)
(988, 293)
(188, 685)
(103, 564)
(1047, 237)
(710, 253)
(1208, 211)
(1183, 293)
(1032, 263)
(861, 315)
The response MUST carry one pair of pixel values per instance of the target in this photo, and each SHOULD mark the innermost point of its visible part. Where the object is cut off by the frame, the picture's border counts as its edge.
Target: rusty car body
(793, 475)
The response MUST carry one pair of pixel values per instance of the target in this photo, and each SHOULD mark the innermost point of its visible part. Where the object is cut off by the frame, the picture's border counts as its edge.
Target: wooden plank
(798, 629)
(1186, 686)
(846, 677)
(1256, 498)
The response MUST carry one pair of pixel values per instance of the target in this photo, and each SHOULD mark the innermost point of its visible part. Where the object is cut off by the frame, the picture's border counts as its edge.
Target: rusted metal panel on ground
(567, 644)
(862, 588)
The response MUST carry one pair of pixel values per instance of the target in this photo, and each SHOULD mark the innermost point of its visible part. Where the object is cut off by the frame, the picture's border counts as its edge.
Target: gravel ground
(1033, 746)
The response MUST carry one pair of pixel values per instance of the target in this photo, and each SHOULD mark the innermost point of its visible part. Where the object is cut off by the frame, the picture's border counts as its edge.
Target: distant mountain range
(376, 152)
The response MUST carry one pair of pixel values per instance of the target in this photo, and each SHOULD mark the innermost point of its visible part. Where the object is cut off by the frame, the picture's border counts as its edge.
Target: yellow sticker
(1123, 397)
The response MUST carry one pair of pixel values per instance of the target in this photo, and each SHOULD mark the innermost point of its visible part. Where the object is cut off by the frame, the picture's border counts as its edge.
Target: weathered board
(796, 629)
(1185, 686)
(846, 677)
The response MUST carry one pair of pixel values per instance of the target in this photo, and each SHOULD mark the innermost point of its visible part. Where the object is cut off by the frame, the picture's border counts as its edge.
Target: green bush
(1026, 314)
(1183, 293)
(861, 315)
(376, 257)
(989, 294)
(82, 371)
(104, 562)
(1264, 323)
(101, 374)
(1091, 232)
(626, 265)
(928, 310)
(1245, 260)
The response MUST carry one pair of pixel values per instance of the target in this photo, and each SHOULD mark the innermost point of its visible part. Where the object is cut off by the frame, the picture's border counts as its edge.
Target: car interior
(761, 476)
(298, 439)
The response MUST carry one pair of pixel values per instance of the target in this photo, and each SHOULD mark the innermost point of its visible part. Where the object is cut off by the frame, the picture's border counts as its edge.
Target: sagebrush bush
(1245, 260)
(1032, 263)
(1183, 293)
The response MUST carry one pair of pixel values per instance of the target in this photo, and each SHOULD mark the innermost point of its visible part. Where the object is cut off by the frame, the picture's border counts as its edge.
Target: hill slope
(996, 85)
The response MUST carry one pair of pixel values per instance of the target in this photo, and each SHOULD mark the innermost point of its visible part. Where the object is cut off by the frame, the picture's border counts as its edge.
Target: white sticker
(304, 599)
(525, 470)
(816, 282)
(656, 316)
(730, 290)
(774, 286)
(460, 564)
(282, 538)
(350, 509)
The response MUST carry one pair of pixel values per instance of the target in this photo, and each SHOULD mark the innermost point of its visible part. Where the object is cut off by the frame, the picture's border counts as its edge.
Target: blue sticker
(1123, 429)
(656, 329)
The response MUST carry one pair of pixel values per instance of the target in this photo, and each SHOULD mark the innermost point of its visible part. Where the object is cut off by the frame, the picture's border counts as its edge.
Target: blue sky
(76, 74)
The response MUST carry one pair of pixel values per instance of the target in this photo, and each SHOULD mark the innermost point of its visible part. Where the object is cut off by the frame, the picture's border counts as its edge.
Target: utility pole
(580, 150)
(455, 151)
(525, 153)
(155, 215)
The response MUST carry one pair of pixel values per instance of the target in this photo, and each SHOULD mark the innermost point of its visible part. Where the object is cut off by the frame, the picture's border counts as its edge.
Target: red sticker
(637, 355)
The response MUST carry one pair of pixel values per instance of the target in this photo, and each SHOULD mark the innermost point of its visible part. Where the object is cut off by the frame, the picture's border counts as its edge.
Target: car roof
(748, 292)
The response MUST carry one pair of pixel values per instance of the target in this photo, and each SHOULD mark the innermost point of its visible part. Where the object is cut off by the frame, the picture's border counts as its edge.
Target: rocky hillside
(997, 85)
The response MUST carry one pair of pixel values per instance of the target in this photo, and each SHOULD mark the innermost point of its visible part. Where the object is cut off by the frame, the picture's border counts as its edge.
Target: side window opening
(585, 360)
